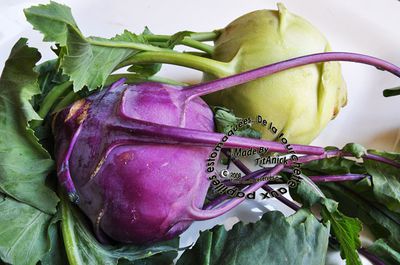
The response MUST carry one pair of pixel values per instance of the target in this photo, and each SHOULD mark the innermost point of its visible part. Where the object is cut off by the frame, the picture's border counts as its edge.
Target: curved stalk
(194, 40)
(49, 101)
(203, 64)
(136, 78)
(198, 36)
(249, 175)
(242, 167)
(338, 178)
(67, 100)
(199, 214)
(230, 81)
(67, 225)
(125, 44)
(158, 133)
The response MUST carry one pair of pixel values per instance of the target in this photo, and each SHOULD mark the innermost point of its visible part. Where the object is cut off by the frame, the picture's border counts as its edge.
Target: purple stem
(157, 133)
(304, 159)
(259, 173)
(382, 159)
(234, 80)
(371, 257)
(338, 178)
(64, 174)
(337, 153)
(199, 214)
(265, 187)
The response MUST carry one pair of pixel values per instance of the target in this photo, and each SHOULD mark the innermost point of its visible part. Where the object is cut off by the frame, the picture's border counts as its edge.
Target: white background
(362, 26)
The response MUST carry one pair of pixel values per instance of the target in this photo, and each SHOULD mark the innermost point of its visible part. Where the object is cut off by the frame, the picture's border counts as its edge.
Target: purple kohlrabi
(133, 157)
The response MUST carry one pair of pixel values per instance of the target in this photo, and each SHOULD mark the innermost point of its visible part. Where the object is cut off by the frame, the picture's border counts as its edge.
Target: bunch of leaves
(375, 200)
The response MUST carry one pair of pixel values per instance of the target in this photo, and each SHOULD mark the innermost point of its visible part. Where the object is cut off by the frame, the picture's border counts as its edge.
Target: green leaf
(145, 70)
(90, 65)
(56, 253)
(24, 163)
(384, 224)
(355, 149)
(23, 233)
(83, 248)
(274, 240)
(344, 228)
(385, 181)
(334, 165)
(88, 61)
(386, 252)
(52, 20)
(225, 119)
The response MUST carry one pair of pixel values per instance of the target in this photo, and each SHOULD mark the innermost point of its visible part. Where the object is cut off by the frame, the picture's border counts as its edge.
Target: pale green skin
(300, 101)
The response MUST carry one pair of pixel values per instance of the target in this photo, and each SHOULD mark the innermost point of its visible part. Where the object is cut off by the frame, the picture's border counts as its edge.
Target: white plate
(363, 26)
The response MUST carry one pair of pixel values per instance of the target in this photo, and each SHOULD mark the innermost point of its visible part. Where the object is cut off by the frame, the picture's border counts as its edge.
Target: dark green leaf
(83, 248)
(56, 254)
(52, 20)
(386, 252)
(49, 77)
(145, 70)
(24, 238)
(225, 119)
(384, 224)
(385, 181)
(147, 31)
(344, 228)
(24, 163)
(274, 240)
(90, 65)
(334, 165)
(355, 149)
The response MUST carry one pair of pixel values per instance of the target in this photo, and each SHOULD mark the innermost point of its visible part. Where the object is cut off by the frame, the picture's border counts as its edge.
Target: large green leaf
(274, 240)
(88, 61)
(345, 229)
(385, 180)
(24, 235)
(24, 163)
(89, 64)
(52, 20)
(83, 248)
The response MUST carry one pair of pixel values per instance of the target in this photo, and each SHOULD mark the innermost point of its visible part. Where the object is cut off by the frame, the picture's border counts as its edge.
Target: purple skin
(132, 157)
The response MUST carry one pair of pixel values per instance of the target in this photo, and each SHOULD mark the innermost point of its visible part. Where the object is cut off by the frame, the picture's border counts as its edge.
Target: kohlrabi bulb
(299, 101)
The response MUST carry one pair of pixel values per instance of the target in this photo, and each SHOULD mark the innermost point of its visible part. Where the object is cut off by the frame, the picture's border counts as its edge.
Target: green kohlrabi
(300, 101)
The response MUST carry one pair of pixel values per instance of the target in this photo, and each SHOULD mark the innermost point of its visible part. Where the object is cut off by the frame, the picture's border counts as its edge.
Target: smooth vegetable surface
(300, 101)
(132, 190)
